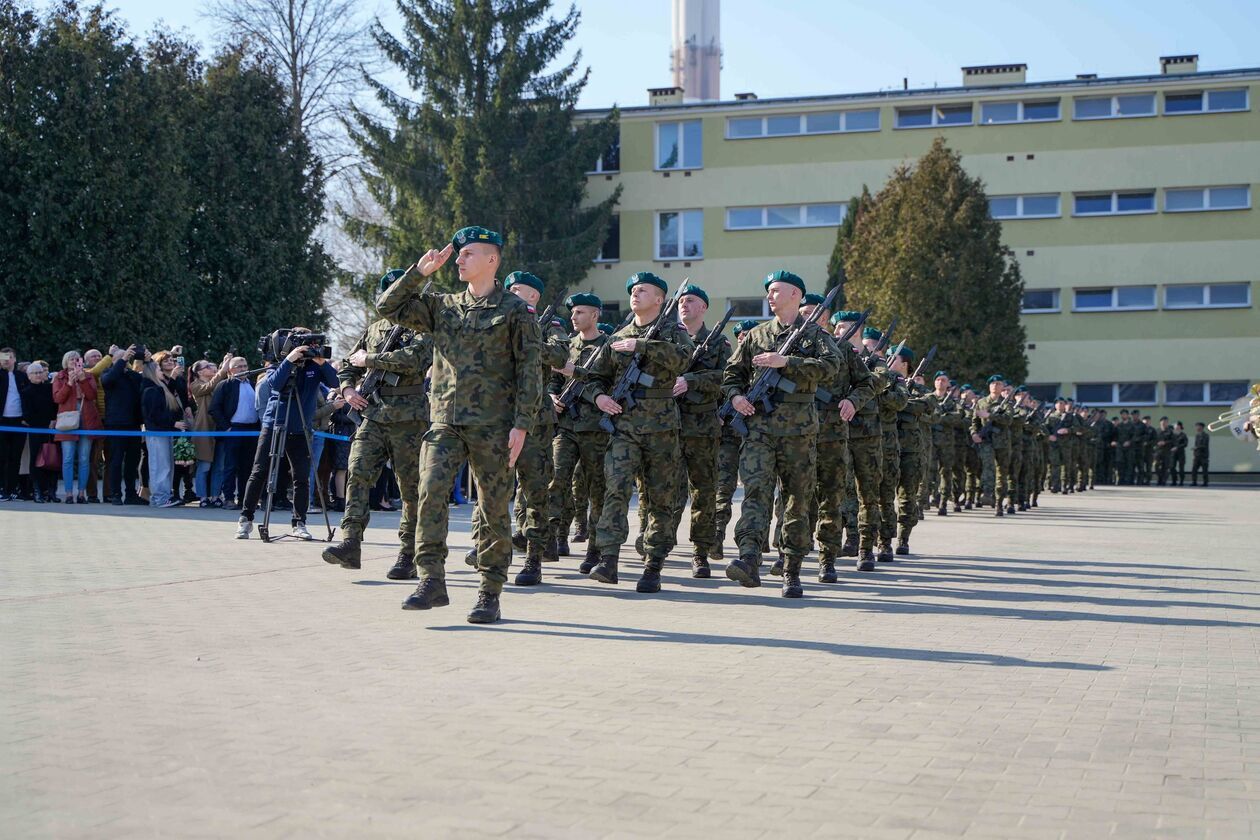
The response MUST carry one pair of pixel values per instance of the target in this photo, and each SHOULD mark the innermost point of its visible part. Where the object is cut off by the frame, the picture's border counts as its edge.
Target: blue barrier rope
(23, 430)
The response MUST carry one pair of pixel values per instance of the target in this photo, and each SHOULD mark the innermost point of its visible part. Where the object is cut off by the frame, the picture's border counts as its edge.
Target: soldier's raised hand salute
(433, 260)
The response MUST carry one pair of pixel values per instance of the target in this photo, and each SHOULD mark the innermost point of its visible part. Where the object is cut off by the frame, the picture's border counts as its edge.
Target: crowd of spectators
(156, 396)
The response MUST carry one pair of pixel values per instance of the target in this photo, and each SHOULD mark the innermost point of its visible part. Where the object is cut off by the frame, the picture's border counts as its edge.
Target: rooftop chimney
(1171, 65)
(745, 97)
(992, 75)
(696, 57)
(665, 96)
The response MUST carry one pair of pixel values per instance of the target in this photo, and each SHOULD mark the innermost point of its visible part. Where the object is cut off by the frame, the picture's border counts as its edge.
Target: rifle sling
(400, 391)
(653, 393)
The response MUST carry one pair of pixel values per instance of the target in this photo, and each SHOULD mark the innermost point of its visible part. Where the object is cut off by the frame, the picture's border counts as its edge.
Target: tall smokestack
(696, 58)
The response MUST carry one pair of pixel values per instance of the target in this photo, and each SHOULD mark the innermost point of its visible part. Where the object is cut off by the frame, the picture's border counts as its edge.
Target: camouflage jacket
(815, 359)
(1001, 419)
(865, 423)
(1201, 443)
(664, 359)
(910, 417)
(699, 404)
(891, 401)
(554, 353)
(580, 352)
(407, 400)
(853, 382)
(486, 366)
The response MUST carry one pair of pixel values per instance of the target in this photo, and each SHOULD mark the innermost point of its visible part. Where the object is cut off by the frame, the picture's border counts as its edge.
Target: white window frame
(1205, 296)
(1115, 106)
(1115, 393)
(765, 315)
(802, 130)
(682, 235)
(1019, 207)
(602, 260)
(1115, 203)
(1058, 302)
(1115, 296)
(936, 111)
(1020, 118)
(1203, 102)
(1205, 393)
(801, 215)
(682, 146)
(1207, 199)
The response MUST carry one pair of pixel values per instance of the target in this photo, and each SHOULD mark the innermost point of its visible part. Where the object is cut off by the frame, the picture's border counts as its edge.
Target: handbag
(49, 457)
(68, 421)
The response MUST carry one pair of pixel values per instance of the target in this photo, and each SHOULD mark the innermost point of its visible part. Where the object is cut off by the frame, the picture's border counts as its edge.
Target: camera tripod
(279, 437)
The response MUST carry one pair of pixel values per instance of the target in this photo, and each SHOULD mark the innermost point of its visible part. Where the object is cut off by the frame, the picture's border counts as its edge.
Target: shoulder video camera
(275, 346)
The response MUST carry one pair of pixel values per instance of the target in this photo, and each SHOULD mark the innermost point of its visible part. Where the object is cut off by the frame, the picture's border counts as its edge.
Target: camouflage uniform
(485, 382)
(853, 382)
(1018, 474)
(995, 451)
(1053, 423)
(890, 401)
(392, 428)
(727, 479)
(943, 436)
(909, 421)
(866, 458)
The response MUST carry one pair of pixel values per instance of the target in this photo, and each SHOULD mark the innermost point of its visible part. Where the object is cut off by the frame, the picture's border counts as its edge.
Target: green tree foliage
(493, 139)
(836, 276)
(146, 196)
(928, 251)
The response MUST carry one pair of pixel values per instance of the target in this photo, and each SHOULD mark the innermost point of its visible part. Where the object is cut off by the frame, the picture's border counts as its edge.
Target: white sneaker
(299, 531)
(243, 527)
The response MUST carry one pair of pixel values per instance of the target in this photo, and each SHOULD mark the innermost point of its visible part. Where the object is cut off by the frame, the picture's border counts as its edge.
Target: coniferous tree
(493, 139)
(836, 276)
(928, 251)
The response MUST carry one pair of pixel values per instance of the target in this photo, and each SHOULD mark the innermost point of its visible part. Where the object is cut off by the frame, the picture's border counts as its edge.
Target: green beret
(1069, 399)
(606, 328)
(475, 233)
(583, 299)
(783, 276)
(649, 278)
(906, 353)
(1060, 399)
(872, 334)
(524, 278)
(746, 324)
(939, 374)
(845, 315)
(967, 388)
(693, 289)
(390, 276)
(1021, 389)
(812, 299)
(997, 377)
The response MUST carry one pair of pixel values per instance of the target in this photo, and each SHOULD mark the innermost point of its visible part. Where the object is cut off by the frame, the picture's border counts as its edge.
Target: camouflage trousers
(574, 452)
(973, 470)
(700, 462)
(1056, 467)
(373, 444)
(927, 470)
(628, 454)
(727, 480)
(946, 472)
(764, 462)
(995, 476)
(1068, 454)
(867, 456)
(444, 452)
(911, 472)
(533, 480)
(889, 481)
(849, 498)
(579, 499)
(1017, 473)
(832, 470)
(1125, 461)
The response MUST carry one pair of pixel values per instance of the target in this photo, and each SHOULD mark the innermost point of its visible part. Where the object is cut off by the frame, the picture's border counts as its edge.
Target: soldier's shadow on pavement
(602, 632)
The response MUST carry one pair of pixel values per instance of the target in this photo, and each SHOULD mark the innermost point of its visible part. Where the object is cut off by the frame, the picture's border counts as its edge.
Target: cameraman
(307, 370)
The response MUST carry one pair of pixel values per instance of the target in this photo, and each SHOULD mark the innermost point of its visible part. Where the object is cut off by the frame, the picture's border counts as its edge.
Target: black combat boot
(958, 508)
(430, 593)
(866, 560)
(792, 579)
(1010, 507)
(1032, 502)
(519, 541)
(943, 510)
(827, 569)
(744, 571)
(404, 567)
(921, 514)
(903, 544)
(470, 557)
(562, 546)
(650, 582)
(885, 553)
(591, 560)
(700, 564)
(347, 553)
(580, 534)
(777, 568)
(850, 547)
(605, 570)
(997, 511)
(546, 550)
(487, 609)
(531, 573)
(969, 505)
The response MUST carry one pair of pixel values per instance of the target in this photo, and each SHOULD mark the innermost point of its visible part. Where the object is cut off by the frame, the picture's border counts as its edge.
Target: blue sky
(802, 47)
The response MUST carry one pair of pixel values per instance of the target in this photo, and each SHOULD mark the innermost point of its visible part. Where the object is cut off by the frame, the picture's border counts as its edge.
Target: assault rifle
(883, 341)
(986, 431)
(545, 318)
(704, 347)
(574, 388)
(822, 396)
(769, 380)
(931, 354)
(375, 378)
(634, 376)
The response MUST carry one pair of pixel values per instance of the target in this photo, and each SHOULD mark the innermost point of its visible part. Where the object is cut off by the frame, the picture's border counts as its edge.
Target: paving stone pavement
(1087, 669)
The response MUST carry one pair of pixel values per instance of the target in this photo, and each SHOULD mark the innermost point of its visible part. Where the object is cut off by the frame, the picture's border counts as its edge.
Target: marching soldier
(948, 419)
(910, 441)
(890, 401)
(989, 430)
(1200, 463)
(728, 462)
(865, 453)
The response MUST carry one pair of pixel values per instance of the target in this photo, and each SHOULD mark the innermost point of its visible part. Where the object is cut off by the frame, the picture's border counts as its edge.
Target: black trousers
(11, 446)
(299, 459)
(124, 462)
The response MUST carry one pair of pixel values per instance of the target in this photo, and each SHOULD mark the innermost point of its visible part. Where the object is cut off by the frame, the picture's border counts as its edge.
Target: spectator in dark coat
(163, 412)
(12, 381)
(123, 384)
(233, 410)
(40, 412)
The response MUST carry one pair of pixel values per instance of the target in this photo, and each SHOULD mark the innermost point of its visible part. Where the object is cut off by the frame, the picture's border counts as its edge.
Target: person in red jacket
(74, 389)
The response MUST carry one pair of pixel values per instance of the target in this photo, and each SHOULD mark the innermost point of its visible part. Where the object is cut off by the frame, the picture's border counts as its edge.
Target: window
(1116, 393)
(742, 308)
(1207, 198)
(1207, 295)
(939, 115)
(680, 234)
(1205, 101)
(1203, 393)
(1114, 203)
(1040, 300)
(786, 125)
(1024, 206)
(1043, 393)
(610, 251)
(1118, 297)
(1114, 107)
(678, 145)
(995, 113)
(792, 215)
(610, 160)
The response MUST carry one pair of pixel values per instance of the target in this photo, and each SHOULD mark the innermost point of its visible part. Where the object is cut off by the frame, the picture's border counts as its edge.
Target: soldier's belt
(797, 397)
(653, 393)
(699, 408)
(401, 391)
